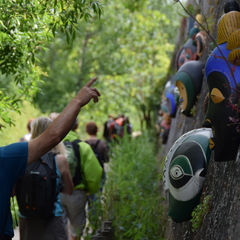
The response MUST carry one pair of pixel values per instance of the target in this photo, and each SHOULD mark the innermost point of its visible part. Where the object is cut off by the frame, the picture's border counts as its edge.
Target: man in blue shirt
(15, 157)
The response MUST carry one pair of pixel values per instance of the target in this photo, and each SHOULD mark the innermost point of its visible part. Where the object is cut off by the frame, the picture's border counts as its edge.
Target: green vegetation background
(130, 49)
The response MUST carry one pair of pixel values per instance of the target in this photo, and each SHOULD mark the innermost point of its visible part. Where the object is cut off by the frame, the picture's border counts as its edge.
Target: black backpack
(98, 154)
(74, 160)
(36, 190)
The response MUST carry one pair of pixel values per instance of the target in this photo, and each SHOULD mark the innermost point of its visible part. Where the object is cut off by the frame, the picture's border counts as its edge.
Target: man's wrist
(78, 102)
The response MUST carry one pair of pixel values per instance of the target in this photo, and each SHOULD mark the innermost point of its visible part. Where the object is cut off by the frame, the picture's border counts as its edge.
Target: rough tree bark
(222, 221)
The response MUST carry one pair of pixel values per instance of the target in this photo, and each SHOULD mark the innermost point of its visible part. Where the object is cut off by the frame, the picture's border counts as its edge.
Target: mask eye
(176, 172)
(216, 95)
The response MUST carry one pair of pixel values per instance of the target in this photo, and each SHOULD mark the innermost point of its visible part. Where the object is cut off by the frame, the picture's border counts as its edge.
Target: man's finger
(89, 84)
(95, 99)
(96, 91)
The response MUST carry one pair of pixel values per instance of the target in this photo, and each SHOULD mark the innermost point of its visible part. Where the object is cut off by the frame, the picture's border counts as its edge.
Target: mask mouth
(212, 143)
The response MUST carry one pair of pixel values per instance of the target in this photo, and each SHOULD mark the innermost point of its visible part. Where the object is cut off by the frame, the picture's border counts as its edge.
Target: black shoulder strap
(48, 158)
(96, 144)
(76, 147)
(77, 178)
(3, 227)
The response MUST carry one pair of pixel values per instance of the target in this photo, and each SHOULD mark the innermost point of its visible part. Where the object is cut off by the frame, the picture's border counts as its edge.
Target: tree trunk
(222, 220)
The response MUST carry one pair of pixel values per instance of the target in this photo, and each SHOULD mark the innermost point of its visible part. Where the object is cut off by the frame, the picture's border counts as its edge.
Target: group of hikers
(54, 175)
(115, 127)
(39, 173)
(79, 171)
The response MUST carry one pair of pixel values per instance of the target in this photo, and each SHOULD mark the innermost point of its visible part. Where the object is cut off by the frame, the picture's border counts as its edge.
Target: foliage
(25, 27)
(200, 211)
(131, 196)
(14, 211)
(128, 49)
(14, 132)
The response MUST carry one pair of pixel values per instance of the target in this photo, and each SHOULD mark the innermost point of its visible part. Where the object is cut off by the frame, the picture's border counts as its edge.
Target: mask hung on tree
(222, 71)
(184, 172)
(187, 53)
(189, 82)
(165, 123)
(194, 46)
(171, 96)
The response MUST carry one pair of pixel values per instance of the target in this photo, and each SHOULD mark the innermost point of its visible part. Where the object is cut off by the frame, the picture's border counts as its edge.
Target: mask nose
(207, 124)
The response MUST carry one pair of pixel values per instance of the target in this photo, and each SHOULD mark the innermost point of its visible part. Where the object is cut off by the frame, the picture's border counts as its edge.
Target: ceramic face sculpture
(184, 172)
(165, 127)
(187, 53)
(200, 40)
(171, 96)
(222, 72)
(189, 82)
(193, 48)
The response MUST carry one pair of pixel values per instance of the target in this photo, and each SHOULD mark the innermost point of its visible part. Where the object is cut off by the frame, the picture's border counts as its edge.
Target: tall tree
(25, 27)
(129, 49)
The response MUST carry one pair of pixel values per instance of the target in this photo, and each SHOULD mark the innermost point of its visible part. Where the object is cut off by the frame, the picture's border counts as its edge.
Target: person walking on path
(91, 173)
(101, 151)
(53, 228)
(99, 147)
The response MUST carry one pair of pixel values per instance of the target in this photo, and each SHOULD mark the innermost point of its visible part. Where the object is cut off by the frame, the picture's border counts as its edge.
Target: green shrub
(14, 211)
(132, 196)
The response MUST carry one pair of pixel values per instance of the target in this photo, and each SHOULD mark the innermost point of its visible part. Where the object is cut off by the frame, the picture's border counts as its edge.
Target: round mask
(223, 83)
(165, 127)
(222, 115)
(189, 82)
(172, 96)
(187, 53)
(184, 172)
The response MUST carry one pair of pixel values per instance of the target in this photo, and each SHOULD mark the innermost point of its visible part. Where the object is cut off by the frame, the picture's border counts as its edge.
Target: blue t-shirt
(13, 162)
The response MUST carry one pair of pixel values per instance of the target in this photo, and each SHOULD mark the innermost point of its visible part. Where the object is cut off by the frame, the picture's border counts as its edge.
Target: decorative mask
(187, 53)
(200, 40)
(222, 72)
(171, 97)
(193, 48)
(165, 127)
(184, 172)
(165, 122)
(189, 82)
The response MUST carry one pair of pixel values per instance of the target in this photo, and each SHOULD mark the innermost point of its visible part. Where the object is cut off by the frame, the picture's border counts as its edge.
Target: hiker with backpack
(86, 181)
(115, 128)
(108, 127)
(100, 149)
(38, 191)
(15, 157)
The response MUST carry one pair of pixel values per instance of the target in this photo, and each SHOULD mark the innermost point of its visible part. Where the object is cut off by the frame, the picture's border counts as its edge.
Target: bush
(132, 194)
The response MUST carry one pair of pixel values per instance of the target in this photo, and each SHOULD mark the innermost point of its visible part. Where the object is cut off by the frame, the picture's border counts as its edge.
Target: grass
(131, 197)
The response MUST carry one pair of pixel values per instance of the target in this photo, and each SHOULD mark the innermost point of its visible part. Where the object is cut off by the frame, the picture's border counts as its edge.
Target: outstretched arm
(62, 124)
(63, 168)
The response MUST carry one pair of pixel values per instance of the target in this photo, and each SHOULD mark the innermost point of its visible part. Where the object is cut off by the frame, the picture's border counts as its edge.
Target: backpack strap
(97, 153)
(49, 159)
(4, 225)
(96, 145)
(77, 178)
